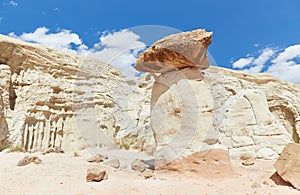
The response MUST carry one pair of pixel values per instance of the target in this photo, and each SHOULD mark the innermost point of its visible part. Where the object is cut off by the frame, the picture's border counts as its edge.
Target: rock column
(180, 115)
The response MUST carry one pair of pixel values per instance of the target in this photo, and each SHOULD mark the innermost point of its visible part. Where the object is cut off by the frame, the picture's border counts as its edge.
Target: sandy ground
(65, 174)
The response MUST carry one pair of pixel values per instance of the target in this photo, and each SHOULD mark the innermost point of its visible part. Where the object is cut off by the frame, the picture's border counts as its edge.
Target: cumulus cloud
(259, 62)
(61, 40)
(119, 49)
(288, 54)
(280, 63)
(285, 65)
(242, 62)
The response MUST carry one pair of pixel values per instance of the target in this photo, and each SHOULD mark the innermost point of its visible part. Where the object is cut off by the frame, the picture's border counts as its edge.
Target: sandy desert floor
(65, 174)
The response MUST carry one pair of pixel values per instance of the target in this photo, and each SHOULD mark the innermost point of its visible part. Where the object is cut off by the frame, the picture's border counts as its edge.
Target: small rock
(150, 163)
(255, 185)
(265, 183)
(96, 173)
(148, 174)
(115, 163)
(53, 150)
(248, 162)
(29, 159)
(97, 158)
(138, 165)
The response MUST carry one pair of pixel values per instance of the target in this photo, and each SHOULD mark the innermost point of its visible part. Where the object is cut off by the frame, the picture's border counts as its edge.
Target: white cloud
(265, 55)
(61, 40)
(260, 61)
(119, 49)
(242, 62)
(289, 71)
(288, 54)
(279, 63)
(285, 66)
(11, 3)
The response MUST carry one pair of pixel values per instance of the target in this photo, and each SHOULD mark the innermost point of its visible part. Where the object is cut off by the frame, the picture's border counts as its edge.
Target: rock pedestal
(180, 115)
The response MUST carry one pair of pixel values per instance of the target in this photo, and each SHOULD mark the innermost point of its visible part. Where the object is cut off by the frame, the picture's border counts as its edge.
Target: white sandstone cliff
(51, 98)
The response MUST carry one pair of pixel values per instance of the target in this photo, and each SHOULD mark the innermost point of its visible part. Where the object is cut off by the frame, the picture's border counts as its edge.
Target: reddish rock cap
(175, 52)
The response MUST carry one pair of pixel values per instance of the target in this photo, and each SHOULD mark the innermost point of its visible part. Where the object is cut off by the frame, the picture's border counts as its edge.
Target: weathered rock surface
(96, 173)
(181, 114)
(50, 98)
(175, 52)
(256, 114)
(288, 164)
(250, 114)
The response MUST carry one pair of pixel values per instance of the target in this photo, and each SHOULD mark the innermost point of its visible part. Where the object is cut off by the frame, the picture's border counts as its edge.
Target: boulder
(175, 52)
(96, 173)
(288, 164)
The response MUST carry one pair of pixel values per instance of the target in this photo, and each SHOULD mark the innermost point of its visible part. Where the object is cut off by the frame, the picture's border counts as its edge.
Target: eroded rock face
(288, 164)
(175, 52)
(66, 101)
(251, 112)
(50, 99)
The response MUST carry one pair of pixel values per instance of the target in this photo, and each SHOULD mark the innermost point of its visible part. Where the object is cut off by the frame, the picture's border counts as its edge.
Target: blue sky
(255, 36)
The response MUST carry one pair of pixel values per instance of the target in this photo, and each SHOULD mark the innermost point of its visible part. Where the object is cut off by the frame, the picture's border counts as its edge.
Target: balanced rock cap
(175, 52)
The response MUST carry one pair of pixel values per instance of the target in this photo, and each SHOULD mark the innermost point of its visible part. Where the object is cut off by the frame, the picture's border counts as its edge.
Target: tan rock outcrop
(175, 52)
(288, 164)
